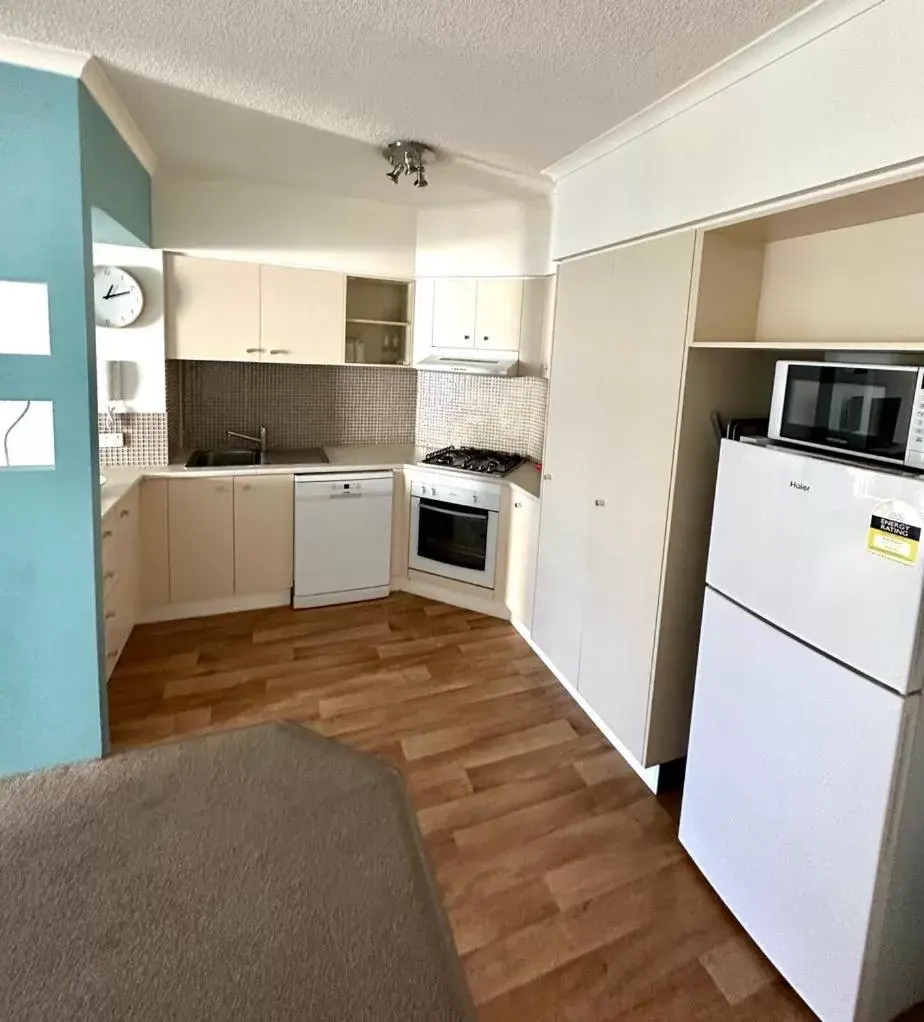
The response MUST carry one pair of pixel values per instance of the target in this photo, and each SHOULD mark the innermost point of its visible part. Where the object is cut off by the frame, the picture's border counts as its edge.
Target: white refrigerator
(803, 804)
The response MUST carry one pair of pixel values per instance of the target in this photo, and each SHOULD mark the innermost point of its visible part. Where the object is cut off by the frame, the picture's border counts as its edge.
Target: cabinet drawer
(118, 620)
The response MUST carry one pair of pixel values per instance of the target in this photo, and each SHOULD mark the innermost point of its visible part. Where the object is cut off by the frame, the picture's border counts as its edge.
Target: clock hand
(118, 294)
(108, 294)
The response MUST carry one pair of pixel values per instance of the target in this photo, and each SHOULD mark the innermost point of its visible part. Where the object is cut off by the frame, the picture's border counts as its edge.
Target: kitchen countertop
(355, 457)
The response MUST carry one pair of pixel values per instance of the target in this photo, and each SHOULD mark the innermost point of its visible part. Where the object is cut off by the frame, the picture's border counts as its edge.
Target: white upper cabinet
(221, 310)
(213, 309)
(489, 314)
(302, 315)
(454, 313)
(498, 310)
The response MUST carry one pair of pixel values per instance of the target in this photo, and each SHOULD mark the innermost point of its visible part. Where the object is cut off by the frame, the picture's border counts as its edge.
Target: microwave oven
(868, 411)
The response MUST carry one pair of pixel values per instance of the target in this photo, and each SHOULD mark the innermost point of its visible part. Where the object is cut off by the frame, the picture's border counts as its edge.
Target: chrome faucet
(261, 440)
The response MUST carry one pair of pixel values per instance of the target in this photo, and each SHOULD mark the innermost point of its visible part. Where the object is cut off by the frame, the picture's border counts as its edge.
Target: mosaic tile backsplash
(309, 406)
(301, 406)
(145, 440)
(499, 412)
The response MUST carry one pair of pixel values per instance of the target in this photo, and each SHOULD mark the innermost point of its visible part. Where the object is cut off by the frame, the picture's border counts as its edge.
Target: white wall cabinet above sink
(222, 310)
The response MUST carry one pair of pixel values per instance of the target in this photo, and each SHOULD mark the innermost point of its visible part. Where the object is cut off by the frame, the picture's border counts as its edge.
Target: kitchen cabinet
(212, 309)
(536, 326)
(121, 575)
(568, 465)
(454, 313)
(302, 315)
(498, 310)
(201, 539)
(620, 335)
(153, 547)
(263, 510)
(522, 551)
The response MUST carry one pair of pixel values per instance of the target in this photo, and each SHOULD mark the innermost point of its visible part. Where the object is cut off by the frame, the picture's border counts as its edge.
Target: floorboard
(568, 893)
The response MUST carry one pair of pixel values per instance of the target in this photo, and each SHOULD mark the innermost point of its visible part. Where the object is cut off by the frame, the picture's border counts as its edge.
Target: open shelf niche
(378, 321)
(845, 274)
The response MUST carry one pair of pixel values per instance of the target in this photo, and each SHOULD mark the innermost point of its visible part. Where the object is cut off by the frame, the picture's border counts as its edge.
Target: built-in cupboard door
(302, 315)
(498, 310)
(635, 404)
(454, 313)
(583, 316)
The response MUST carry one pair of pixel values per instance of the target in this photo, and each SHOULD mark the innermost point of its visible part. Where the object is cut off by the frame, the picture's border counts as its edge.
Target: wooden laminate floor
(569, 895)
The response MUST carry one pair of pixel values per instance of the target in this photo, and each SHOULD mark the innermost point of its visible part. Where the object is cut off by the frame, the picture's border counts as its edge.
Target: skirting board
(466, 601)
(332, 599)
(206, 608)
(649, 775)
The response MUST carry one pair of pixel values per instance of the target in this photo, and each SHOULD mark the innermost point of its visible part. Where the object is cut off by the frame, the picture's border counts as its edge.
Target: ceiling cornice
(86, 68)
(817, 20)
(101, 89)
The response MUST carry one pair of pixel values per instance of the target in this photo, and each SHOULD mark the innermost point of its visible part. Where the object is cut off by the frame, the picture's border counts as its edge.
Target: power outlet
(111, 440)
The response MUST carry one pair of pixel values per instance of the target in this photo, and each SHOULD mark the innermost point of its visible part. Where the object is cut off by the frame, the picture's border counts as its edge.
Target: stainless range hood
(490, 365)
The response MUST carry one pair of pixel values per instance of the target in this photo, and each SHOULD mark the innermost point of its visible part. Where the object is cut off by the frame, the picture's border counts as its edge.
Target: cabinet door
(154, 547)
(582, 319)
(454, 313)
(127, 517)
(212, 309)
(201, 515)
(536, 326)
(263, 523)
(498, 308)
(635, 404)
(302, 315)
(421, 330)
(522, 552)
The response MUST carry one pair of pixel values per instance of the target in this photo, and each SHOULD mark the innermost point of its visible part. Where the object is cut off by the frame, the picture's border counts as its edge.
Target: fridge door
(827, 551)
(787, 798)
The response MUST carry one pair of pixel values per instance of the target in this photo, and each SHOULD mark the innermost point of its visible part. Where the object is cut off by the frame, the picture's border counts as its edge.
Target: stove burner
(474, 459)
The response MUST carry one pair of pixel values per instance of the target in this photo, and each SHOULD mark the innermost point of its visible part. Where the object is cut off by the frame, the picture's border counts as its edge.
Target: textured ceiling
(509, 82)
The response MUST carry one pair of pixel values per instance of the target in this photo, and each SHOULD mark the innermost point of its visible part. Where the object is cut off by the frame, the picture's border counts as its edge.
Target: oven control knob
(433, 490)
(474, 499)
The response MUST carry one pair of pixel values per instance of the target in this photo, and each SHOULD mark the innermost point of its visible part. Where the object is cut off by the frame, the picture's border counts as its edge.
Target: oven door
(861, 410)
(453, 541)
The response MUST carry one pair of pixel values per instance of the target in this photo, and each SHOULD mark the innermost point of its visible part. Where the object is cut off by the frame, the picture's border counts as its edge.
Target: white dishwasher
(342, 537)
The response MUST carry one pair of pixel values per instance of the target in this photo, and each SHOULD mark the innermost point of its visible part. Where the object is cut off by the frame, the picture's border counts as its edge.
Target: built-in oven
(865, 410)
(453, 530)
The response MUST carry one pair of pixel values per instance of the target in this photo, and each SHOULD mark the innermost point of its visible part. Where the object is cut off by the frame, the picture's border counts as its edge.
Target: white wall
(292, 226)
(141, 346)
(846, 103)
(492, 239)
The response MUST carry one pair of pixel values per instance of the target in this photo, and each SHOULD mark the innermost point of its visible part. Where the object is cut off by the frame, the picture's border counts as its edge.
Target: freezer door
(787, 798)
(826, 551)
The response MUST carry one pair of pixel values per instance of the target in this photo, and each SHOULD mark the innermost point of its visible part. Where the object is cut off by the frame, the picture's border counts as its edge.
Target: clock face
(117, 297)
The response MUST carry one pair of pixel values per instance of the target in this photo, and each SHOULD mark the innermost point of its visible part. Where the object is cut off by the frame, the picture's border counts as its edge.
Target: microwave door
(858, 410)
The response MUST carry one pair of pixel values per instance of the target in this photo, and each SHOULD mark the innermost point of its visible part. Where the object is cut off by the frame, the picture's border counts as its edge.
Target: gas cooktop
(475, 459)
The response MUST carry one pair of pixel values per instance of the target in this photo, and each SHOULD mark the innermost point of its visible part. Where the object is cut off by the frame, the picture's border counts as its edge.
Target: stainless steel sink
(228, 457)
(222, 458)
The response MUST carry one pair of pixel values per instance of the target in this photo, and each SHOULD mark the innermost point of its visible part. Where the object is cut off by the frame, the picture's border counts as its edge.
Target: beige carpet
(266, 874)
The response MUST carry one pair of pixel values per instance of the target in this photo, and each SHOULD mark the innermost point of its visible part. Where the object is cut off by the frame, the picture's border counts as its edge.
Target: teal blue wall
(56, 160)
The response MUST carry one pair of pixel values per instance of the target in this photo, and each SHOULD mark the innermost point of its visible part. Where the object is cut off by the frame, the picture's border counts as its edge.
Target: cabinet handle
(110, 614)
(107, 534)
(246, 486)
(279, 351)
(125, 514)
(108, 574)
(111, 653)
(547, 476)
(486, 338)
(254, 351)
(467, 337)
(221, 489)
(599, 503)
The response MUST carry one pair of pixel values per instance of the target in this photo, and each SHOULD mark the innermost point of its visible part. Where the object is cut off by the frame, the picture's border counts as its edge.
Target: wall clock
(117, 297)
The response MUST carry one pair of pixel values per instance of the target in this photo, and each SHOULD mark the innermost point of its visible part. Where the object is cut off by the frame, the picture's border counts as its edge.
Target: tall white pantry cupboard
(628, 478)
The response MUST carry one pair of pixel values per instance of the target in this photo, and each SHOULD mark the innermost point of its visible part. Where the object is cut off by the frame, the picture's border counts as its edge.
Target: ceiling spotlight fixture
(410, 159)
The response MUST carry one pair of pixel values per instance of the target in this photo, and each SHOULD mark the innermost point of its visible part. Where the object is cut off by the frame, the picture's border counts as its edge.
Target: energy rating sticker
(893, 538)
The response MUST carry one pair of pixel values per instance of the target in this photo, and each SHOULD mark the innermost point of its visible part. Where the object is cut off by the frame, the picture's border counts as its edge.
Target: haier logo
(804, 487)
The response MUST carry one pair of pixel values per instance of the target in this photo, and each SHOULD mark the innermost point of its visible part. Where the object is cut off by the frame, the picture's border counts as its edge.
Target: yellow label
(896, 548)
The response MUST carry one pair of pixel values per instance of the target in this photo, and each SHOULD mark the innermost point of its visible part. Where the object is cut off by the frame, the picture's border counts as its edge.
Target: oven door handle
(483, 517)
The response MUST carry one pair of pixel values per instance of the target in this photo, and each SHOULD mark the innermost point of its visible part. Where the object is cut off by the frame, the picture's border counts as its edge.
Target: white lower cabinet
(522, 551)
(614, 402)
(263, 534)
(201, 536)
(121, 577)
